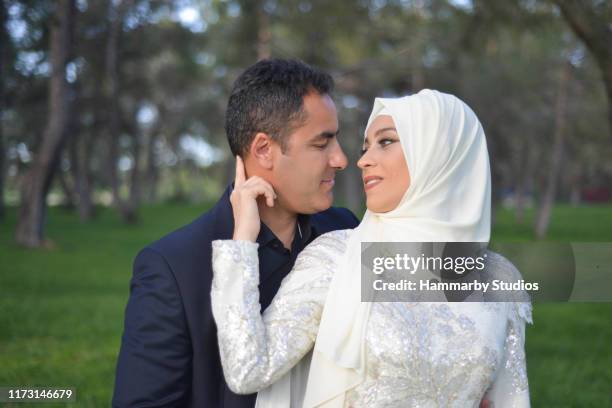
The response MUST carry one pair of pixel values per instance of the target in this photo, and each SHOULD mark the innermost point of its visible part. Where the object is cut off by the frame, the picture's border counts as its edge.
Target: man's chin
(325, 203)
(320, 203)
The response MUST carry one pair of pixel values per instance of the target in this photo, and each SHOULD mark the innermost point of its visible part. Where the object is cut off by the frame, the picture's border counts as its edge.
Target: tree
(590, 21)
(4, 40)
(116, 15)
(36, 183)
(560, 130)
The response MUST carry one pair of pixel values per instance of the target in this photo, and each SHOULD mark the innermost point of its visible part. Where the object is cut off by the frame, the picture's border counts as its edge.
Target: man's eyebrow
(327, 135)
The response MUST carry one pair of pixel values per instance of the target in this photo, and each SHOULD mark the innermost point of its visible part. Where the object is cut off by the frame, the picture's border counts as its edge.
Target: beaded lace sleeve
(511, 387)
(257, 350)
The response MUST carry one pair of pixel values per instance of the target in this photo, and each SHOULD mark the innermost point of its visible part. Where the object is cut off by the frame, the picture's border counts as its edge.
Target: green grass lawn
(61, 309)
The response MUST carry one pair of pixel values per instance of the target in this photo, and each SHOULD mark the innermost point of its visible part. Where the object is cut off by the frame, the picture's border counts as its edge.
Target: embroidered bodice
(417, 354)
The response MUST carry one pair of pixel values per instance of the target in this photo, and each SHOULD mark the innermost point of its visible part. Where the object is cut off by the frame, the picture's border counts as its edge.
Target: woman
(426, 177)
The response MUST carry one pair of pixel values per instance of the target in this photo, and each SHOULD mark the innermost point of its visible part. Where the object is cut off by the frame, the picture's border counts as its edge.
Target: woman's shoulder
(333, 240)
(501, 269)
(327, 246)
(317, 262)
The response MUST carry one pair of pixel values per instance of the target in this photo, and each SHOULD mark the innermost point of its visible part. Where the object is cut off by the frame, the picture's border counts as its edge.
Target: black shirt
(276, 261)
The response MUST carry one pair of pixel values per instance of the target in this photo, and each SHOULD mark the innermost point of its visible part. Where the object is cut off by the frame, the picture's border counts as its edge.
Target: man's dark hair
(269, 97)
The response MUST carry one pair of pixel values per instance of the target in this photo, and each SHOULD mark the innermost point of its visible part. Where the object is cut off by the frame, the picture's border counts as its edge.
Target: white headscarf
(449, 200)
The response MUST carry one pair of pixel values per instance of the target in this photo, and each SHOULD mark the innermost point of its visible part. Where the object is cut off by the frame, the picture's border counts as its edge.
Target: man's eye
(321, 146)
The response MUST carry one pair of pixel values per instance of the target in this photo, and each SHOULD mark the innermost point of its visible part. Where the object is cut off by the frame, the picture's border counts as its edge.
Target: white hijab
(449, 199)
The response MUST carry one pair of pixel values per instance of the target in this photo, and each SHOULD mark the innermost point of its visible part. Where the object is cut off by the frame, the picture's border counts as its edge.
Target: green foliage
(502, 58)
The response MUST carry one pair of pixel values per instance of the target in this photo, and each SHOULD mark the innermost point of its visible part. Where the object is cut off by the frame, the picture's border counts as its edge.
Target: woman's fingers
(244, 203)
(257, 186)
(240, 181)
(240, 173)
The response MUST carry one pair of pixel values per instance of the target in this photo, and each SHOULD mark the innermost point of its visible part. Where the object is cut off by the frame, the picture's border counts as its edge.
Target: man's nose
(338, 159)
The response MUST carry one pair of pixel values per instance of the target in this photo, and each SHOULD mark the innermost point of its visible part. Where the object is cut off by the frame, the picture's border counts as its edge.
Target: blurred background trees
(121, 102)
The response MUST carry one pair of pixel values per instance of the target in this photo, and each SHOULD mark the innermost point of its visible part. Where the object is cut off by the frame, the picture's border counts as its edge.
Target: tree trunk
(353, 192)
(2, 170)
(255, 32)
(80, 152)
(152, 172)
(112, 94)
(548, 197)
(72, 130)
(594, 31)
(129, 213)
(519, 201)
(352, 195)
(116, 13)
(36, 182)
(264, 35)
(416, 49)
(576, 184)
(3, 70)
(524, 173)
(67, 188)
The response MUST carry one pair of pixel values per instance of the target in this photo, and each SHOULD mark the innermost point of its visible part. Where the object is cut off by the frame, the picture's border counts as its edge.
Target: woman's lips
(370, 182)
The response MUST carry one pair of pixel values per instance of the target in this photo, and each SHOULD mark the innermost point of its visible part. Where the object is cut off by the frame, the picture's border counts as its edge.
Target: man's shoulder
(191, 241)
(182, 255)
(196, 230)
(335, 218)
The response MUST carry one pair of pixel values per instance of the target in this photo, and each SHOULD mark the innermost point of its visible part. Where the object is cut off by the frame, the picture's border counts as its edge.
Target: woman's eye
(386, 142)
(362, 151)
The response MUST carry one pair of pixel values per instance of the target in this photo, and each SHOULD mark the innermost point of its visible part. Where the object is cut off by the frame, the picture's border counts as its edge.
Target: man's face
(303, 176)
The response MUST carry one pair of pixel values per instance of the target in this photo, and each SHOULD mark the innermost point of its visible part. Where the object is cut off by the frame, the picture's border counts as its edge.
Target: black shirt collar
(303, 234)
(307, 230)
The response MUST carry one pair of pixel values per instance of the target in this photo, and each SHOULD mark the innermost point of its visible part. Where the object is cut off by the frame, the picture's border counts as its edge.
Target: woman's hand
(244, 203)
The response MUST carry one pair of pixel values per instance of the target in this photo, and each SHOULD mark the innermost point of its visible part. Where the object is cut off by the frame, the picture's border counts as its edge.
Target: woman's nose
(366, 160)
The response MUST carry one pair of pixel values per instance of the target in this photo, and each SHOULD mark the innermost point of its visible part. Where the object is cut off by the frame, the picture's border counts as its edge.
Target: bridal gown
(417, 354)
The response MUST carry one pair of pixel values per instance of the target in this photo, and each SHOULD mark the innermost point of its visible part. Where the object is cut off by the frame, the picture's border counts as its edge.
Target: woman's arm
(511, 388)
(257, 351)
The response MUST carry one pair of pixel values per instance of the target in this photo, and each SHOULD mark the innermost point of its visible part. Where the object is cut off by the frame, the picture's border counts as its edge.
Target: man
(282, 122)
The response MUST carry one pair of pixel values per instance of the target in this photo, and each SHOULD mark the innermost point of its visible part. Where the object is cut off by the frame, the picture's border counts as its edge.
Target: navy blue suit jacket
(169, 355)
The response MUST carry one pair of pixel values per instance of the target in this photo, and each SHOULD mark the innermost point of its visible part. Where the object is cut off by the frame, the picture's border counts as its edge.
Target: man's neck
(280, 221)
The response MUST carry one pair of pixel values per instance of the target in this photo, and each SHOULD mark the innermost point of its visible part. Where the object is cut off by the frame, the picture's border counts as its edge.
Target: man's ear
(262, 150)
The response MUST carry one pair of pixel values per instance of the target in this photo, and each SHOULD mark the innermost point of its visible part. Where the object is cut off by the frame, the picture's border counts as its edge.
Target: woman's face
(383, 166)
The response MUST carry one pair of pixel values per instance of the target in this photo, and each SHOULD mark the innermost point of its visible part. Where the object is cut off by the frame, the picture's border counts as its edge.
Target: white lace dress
(417, 354)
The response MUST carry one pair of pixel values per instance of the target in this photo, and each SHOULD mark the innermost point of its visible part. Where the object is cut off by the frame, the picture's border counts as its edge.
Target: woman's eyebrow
(379, 131)
(366, 142)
